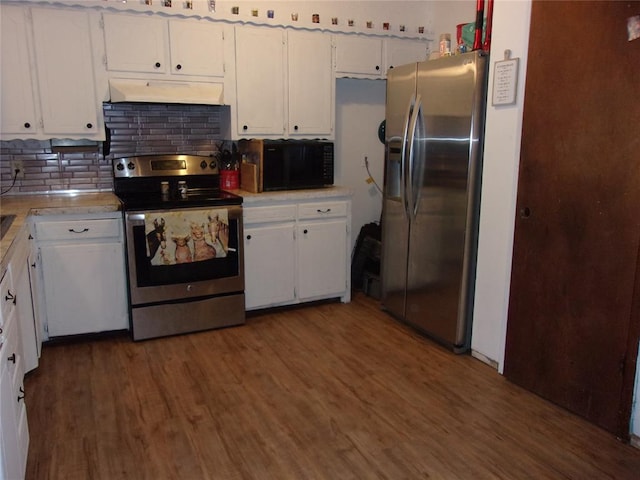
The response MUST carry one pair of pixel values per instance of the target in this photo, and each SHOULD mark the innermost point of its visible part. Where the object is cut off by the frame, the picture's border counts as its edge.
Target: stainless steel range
(184, 245)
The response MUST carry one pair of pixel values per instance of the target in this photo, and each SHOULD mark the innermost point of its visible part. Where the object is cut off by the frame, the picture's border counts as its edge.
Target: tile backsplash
(134, 128)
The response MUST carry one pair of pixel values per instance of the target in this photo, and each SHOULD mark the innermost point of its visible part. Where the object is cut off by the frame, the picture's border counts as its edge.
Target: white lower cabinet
(83, 275)
(296, 251)
(270, 279)
(14, 434)
(322, 254)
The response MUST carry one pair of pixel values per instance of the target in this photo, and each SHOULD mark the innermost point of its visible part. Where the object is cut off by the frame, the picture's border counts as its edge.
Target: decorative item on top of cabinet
(155, 45)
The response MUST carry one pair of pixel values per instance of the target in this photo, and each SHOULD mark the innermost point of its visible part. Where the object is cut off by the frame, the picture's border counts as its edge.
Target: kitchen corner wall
(135, 129)
(360, 107)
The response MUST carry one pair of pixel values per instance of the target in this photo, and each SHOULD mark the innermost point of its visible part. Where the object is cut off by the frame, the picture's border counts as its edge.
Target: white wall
(499, 185)
(360, 107)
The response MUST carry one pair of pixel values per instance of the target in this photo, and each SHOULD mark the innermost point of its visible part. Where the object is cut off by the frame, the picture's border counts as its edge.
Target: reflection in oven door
(185, 270)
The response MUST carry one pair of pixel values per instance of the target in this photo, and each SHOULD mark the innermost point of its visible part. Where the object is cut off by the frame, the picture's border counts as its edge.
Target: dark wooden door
(574, 313)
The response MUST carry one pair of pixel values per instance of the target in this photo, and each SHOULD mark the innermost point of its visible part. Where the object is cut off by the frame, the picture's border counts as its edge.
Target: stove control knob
(213, 164)
(131, 165)
(120, 167)
(203, 164)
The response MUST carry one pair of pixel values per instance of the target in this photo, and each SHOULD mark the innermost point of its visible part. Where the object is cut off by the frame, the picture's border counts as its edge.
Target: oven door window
(163, 257)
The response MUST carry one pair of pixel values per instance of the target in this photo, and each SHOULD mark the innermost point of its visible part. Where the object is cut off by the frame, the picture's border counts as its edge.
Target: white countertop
(22, 206)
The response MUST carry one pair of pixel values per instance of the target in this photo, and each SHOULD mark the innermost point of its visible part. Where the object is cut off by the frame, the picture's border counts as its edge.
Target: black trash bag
(366, 254)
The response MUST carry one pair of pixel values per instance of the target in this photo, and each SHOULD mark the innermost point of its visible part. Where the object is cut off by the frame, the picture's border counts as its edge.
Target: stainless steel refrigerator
(434, 130)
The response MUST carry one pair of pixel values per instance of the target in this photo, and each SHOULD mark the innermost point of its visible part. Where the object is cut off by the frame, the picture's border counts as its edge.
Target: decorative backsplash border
(134, 129)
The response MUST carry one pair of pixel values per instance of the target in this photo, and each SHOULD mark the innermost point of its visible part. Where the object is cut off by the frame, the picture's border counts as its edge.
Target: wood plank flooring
(325, 392)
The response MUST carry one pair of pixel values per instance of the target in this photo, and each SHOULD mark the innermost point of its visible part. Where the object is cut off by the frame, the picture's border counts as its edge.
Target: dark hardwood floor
(325, 392)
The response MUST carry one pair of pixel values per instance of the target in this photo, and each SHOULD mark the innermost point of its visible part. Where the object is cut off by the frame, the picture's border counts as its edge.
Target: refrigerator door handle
(406, 147)
(411, 201)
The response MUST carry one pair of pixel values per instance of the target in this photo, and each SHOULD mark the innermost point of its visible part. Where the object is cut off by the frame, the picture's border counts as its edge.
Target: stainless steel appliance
(184, 249)
(296, 164)
(434, 139)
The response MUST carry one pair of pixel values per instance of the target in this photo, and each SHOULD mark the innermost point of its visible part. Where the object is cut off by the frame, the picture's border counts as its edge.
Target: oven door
(184, 253)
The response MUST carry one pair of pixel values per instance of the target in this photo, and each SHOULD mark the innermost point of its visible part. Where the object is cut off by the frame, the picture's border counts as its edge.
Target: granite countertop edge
(24, 206)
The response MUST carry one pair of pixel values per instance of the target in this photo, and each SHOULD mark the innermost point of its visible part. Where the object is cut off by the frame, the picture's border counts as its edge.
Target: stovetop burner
(157, 201)
(137, 182)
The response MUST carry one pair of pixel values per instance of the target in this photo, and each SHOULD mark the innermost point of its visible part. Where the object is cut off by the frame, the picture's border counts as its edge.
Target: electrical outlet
(19, 166)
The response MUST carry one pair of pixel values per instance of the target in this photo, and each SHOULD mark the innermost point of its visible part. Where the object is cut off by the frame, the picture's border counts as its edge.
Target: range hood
(159, 91)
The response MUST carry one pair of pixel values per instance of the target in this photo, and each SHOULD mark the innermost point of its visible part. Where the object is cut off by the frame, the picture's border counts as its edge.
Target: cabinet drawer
(279, 213)
(322, 210)
(78, 229)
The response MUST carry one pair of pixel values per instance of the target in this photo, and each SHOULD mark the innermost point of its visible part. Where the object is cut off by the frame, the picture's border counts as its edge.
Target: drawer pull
(10, 297)
(12, 358)
(21, 397)
(323, 211)
(248, 237)
(78, 231)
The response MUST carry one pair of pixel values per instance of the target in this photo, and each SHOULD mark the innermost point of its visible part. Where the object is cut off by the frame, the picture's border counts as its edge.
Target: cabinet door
(84, 288)
(358, 56)
(18, 112)
(66, 83)
(311, 84)
(400, 52)
(135, 44)
(322, 258)
(15, 449)
(11, 457)
(269, 265)
(260, 81)
(196, 48)
(26, 319)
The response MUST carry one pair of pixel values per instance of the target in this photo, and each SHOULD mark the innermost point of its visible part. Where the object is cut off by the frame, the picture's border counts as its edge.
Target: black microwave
(296, 164)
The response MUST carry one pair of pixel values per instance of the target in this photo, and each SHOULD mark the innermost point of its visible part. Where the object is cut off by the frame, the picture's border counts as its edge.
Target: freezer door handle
(406, 148)
(411, 200)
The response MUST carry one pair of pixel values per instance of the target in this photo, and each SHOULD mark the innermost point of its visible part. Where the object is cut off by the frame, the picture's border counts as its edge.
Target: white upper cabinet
(402, 51)
(196, 48)
(48, 81)
(136, 44)
(66, 78)
(155, 45)
(260, 84)
(311, 85)
(18, 112)
(359, 56)
(284, 84)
